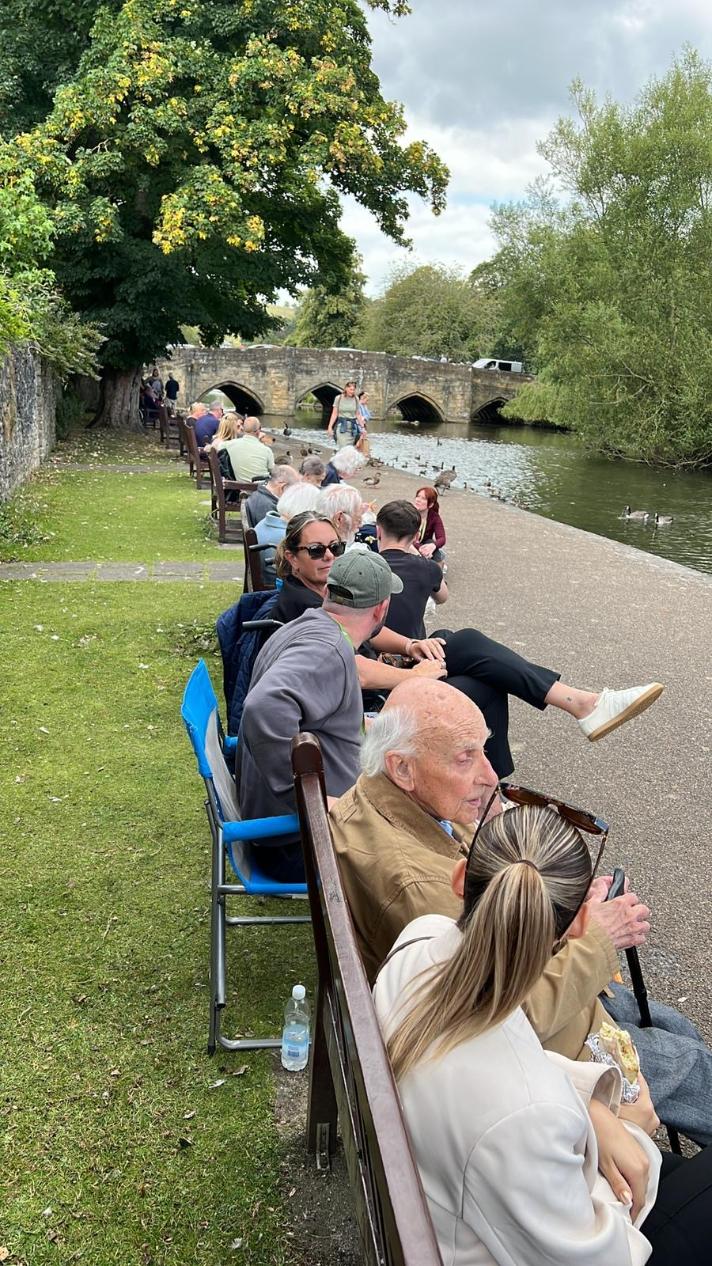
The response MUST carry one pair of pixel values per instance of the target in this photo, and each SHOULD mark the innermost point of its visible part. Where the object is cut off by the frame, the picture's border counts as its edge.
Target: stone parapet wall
(28, 403)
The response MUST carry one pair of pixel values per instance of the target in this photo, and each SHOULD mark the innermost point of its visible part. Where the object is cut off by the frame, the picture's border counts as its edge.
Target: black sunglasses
(319, 551)
(580, 818)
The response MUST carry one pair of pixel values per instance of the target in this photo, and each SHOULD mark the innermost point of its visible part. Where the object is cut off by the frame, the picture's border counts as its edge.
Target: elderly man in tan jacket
(397, 834)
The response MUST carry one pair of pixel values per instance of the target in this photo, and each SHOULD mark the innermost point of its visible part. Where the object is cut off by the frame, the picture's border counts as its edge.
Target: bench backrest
(350, 1071)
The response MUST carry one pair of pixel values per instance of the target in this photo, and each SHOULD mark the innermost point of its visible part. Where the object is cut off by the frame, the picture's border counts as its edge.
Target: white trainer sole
(633, 710)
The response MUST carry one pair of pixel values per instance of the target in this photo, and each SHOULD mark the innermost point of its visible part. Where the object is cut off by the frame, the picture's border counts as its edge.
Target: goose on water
(639, 515)
(661, 519)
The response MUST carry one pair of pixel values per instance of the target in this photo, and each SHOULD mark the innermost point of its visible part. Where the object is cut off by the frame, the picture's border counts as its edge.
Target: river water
(549, 473)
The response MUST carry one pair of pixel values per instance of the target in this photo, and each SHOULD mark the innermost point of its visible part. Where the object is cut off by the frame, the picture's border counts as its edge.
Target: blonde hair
(230, 427)
(524, 884)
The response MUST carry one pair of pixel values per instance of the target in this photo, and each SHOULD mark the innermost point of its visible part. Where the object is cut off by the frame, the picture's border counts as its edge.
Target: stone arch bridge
(275, 380)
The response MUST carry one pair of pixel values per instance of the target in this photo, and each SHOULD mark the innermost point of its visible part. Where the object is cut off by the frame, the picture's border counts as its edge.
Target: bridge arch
(415, 406)
(325, 393)
(245, 399)
(489, 411)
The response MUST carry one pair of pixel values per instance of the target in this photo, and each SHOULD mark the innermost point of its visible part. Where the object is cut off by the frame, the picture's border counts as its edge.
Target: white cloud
(482, 83)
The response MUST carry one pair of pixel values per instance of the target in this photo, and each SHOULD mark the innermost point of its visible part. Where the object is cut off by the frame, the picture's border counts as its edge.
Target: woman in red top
(431, 539)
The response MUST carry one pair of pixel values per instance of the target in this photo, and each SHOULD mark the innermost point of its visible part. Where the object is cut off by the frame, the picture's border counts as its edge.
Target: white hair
(341, 499)
(348, 460)
(393, 730)
(296, 498)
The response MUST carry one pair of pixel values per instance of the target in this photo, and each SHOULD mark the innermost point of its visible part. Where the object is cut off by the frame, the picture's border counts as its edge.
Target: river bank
(603, 613)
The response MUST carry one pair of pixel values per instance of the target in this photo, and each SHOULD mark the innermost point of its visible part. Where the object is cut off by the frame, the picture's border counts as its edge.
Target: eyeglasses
(580, 818)
(319, 551)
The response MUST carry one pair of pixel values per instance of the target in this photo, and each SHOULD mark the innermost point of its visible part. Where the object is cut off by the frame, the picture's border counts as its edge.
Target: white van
(504, 366)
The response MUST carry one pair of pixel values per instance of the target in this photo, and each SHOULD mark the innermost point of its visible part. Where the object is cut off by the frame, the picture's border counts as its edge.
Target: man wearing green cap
(305, 679)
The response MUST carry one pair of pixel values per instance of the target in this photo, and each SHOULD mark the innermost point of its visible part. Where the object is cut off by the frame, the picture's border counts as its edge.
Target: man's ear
(457, 879)
(401, 771)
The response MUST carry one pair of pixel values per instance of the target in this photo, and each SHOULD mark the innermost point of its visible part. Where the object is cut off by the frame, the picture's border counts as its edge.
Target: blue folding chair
(234, 837)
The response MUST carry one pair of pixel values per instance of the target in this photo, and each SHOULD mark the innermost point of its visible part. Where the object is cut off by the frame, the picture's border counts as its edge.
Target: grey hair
(313, 466)
(348, 460)
(297, 498)
(393, 730)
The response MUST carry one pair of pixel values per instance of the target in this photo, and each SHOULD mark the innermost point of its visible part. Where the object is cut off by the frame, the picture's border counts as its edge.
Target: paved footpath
(198, 572)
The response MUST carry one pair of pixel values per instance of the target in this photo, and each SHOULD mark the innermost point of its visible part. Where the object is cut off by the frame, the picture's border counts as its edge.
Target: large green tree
(613, 287)
(429, 311)
(193, 164)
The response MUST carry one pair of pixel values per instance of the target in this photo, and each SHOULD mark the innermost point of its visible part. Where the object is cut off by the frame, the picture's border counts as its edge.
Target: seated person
(525, 1157)
(344, 506)
(230, 428)
(206, 422)
(270, 530)
(425, 781)
(305, 678)
(430, 541)
(313, 471)
(250, 459)
(265, 498)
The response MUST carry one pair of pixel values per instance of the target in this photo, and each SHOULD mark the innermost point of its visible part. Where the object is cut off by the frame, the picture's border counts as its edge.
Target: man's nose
(486, 773)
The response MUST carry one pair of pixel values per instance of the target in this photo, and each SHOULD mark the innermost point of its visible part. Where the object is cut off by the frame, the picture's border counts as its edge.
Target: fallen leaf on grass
(43, 729)
(235, 1244)
(214, 1084)
(4, 1253)
(188, 1116)
(184, 1142)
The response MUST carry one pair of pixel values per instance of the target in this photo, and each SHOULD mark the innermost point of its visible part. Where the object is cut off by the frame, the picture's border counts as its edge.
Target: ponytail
(523, 886)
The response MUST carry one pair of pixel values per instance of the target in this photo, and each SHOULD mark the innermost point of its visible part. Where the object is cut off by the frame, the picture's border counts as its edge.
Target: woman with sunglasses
(523, 1156)
(303, 561)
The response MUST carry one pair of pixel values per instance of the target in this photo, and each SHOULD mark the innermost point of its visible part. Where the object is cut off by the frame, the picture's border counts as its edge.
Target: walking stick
(639, 989)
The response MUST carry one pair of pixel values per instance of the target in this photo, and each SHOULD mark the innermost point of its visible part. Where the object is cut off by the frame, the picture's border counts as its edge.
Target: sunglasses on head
(319, 551)
(580, 818)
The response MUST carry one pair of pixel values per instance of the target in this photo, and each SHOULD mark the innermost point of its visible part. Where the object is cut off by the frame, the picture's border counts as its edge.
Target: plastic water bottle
(295, 1034)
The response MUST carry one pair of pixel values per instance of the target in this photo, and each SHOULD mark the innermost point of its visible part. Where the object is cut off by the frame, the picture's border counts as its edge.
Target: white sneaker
(615, 707)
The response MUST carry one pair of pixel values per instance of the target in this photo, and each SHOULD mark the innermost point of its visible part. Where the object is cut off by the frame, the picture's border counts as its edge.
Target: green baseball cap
(362, 579)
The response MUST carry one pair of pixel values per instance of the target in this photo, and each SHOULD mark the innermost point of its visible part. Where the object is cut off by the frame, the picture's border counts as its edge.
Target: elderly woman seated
(343, 505)
(270, 530)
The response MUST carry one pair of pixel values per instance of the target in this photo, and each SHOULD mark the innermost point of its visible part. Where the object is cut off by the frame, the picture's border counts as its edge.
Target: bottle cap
(299, 993)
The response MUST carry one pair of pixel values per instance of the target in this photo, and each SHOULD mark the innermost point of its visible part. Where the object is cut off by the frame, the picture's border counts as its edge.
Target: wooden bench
(351, 1078)
(254, 581)
(223, 503)
(198, 463)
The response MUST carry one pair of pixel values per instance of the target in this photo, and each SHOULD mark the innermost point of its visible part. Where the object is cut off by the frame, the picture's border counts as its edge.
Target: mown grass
(110, 516)
(116, 1143)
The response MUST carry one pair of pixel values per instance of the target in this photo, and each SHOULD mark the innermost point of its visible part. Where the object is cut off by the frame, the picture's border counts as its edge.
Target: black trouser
(680, 1224)
(487, 672)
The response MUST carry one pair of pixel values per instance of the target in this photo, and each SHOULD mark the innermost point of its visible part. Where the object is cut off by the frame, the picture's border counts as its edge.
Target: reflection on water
(548, 473)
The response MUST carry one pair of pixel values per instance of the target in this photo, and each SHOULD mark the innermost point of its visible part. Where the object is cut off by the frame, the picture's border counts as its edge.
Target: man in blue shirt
(206, 423)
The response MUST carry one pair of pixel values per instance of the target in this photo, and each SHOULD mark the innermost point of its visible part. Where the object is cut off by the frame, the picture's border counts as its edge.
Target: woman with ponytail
(513, 1142)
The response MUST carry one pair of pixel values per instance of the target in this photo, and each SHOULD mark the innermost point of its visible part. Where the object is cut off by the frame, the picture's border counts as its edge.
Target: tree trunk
(119, 400)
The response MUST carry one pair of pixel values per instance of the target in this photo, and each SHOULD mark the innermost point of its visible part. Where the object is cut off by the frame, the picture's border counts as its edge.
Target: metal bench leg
(217, 938)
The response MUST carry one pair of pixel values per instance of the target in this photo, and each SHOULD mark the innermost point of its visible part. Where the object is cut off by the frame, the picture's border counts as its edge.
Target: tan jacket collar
(405, 815)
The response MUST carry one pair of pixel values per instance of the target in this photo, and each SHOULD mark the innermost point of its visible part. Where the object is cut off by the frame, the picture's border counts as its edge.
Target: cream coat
(504, 1143)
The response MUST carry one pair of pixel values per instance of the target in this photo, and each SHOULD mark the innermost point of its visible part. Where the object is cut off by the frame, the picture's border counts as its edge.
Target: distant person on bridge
(172, 389)
(250, 458)
(343, 423)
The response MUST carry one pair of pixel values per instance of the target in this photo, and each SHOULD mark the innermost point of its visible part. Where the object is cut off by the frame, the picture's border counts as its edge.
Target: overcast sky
(482, 81)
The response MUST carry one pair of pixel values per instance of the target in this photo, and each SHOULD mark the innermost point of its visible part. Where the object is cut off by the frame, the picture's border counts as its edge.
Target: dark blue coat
(240, 647)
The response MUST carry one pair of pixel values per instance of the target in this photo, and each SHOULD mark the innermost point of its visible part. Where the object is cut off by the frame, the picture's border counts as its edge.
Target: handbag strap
(397, 948)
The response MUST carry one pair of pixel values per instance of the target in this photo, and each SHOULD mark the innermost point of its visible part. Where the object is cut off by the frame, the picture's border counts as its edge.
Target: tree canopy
(610, 287)
(429, 311)
(193, 162)
(331, 319)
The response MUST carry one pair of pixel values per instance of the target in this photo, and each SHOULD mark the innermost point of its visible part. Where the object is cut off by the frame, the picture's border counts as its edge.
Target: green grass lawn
(117, 1144)
(110, 516)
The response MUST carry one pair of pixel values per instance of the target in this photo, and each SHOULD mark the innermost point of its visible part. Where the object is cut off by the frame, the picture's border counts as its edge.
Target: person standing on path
(343, 423)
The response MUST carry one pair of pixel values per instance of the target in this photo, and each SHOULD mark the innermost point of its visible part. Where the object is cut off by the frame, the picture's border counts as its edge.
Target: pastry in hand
(618, 1044)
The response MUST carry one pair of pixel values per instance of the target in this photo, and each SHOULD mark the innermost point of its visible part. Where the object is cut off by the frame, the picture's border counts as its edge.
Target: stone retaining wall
(28, 402)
